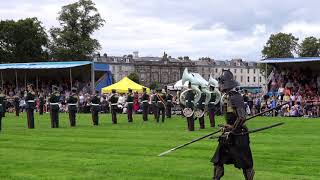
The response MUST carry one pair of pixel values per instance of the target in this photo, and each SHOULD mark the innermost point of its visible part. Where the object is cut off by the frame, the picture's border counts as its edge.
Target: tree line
(286, 45)
(26, 40)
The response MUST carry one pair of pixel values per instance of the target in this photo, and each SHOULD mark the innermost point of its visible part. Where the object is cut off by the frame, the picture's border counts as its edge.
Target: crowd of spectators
(298, 87)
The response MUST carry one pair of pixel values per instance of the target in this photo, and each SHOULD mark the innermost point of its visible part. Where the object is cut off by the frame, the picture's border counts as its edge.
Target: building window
(241, 71)
(248, 71)
(235, 70)
(248, 78)
(254, 71)
(254, 79)
(235, 77)
(260, 79)
(216, 70)
(241, 78)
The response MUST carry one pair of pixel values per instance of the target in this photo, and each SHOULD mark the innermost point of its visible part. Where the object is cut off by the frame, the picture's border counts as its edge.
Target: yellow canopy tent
(123, 85)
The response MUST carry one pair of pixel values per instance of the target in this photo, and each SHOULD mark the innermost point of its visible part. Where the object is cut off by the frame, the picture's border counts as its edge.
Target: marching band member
(190, 104)
(16, 102)
(153, 104)
(160, 106)
(212, 106)
(54, 107)
(72, 106)
(169, 104)
(129, 105)
(95, 108)
(145, 104)
(41, 103)
(201, 106)
(30, 106)
(114, 105)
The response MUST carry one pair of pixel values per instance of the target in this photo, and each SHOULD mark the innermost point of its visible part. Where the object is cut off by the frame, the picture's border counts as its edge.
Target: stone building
(246, 73)
(167, 70)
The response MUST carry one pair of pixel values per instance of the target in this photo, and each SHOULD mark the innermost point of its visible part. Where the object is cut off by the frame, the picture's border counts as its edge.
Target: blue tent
(105, 80)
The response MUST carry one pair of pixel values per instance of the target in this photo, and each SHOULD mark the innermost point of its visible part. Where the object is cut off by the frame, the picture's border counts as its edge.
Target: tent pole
(17, 88)
(1, 79)
(70, 73)
(37, 79)
(92, 78)
(25, 81)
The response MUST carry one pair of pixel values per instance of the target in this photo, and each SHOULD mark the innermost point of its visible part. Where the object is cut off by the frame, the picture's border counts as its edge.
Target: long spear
(198, 139)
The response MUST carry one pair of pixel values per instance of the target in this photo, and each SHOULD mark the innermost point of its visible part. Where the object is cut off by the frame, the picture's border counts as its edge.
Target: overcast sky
(221, 29)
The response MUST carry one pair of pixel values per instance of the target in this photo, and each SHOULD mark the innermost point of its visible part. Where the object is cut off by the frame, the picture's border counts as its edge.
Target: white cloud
(219, 29)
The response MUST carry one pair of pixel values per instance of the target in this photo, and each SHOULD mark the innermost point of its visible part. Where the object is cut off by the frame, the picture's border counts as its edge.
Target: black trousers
(41, 109)
(161, 111)
(95, 117)
(17, 109)
(190, 121)
(212, 118)
(114, 115)
(129, 112)
(154, 111)
(54, 114)
(201, 122)
(168, 111)
(72, 118)
(145, 111)
(30, 118)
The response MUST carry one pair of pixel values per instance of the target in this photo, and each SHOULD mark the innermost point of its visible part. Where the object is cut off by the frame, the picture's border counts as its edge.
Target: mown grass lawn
(129, 151)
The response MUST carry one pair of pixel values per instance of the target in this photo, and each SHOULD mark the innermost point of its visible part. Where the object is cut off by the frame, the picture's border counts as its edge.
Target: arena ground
(129, 151)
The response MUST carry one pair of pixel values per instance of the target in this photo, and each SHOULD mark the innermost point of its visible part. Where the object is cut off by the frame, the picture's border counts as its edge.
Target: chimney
(135, 54)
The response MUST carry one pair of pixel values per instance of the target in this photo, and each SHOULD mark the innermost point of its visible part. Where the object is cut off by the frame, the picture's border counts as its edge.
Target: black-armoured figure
(30, 106)
(169, 104)
(145, 104)
(233, 149)
(190, 104)
(212, 107)
(201, 105)
(95, 108)
(54, 107)
(41, 104)
(73, 106)
(2, 101)
(114, 106)
(130, 105)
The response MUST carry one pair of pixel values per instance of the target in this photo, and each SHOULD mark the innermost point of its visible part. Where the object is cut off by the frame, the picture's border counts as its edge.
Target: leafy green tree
(73, 41)
(154, 85)
(134, 77)
(280, 45)
(24, 40)
(309, 47)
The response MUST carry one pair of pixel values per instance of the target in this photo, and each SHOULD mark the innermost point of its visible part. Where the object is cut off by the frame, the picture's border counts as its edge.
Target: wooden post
(92, 78)
(17, 85)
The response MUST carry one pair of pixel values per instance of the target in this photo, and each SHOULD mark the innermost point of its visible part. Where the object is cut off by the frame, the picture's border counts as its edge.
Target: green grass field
(129, 151)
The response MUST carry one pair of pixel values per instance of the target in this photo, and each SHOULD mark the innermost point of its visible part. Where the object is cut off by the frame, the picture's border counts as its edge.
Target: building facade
(167, 70)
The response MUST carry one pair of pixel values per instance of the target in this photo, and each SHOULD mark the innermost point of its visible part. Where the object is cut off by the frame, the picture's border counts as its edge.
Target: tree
(24, 40)
(309, 47)
(154, 85)
(280, 45)
(134, 77)
(73, 41)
